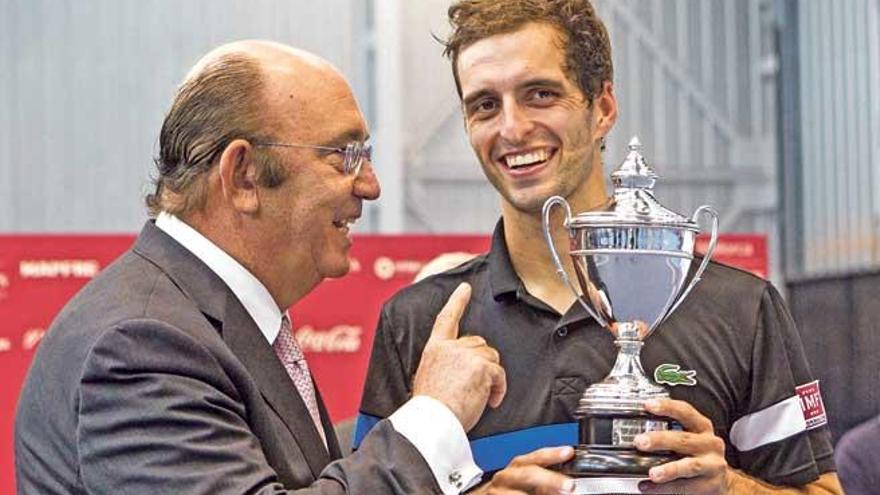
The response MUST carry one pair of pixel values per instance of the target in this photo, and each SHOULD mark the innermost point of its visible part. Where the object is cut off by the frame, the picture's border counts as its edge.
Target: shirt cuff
(437, 434)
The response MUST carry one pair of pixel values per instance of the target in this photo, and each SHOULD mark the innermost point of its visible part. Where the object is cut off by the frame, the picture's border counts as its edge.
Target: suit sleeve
(159, 413)
(779, 367)
(388, 383)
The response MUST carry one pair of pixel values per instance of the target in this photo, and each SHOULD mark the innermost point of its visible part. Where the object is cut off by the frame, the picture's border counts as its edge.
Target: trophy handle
(560, 270)
(708, 256)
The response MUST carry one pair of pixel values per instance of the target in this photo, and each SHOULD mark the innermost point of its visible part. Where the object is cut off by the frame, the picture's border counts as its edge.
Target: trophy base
(594, 461)
(605, 446)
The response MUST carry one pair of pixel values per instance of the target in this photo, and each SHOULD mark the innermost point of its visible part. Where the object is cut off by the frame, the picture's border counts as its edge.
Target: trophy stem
(628, 366)
(612, 413)
(626, 388)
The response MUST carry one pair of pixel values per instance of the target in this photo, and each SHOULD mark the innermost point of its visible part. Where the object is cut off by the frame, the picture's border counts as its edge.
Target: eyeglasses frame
(354, 153)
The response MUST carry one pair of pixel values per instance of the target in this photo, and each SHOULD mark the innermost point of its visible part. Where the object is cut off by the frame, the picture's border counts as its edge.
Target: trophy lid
(633, 201)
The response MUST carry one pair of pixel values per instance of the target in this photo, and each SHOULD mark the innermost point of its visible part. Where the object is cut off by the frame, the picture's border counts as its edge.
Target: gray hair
(224, 101)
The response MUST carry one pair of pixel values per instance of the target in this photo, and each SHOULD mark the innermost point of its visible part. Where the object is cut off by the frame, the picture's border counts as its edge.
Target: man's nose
(366, 184)
(515, 123)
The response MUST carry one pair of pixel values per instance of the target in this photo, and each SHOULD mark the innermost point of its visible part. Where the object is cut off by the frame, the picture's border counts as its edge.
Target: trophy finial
(634, 172)
(635, 144)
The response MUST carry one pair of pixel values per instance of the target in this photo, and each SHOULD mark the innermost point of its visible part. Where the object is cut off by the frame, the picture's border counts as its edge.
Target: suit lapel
(250, 346)
(241, 334)
(329, 431)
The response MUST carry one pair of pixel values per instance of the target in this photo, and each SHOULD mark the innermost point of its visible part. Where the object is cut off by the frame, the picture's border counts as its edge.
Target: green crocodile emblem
(672, 374)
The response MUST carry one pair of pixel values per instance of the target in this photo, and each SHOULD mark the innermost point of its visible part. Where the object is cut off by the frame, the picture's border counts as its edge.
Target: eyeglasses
(354, 153)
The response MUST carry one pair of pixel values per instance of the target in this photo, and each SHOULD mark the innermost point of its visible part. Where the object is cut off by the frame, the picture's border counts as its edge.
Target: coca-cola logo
(340, 338)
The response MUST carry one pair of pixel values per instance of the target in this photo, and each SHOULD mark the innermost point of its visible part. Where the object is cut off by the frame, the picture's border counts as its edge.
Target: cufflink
(455, 479)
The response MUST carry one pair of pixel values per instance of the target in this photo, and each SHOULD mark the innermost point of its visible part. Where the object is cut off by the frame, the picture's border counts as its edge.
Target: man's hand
(462, 373)
(528, 473)
(703, 471)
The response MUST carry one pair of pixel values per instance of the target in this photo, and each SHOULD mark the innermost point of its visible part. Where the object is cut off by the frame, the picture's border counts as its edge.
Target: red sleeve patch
(811, 404)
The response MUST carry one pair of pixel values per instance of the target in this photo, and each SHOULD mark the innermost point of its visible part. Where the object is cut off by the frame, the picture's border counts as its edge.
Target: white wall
(839, 185)
(84, 86)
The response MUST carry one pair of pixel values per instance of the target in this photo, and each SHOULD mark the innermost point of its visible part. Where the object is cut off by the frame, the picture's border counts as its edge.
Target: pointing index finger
(446, 323)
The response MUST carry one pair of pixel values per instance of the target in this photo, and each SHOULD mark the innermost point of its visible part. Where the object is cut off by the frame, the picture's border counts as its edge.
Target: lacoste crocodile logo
(672, 374)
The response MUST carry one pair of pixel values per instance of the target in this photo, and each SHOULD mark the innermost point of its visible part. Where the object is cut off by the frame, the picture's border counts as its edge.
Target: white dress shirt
(426, 422)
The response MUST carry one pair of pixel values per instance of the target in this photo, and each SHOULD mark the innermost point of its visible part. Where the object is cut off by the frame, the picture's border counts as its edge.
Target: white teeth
(345, 223)
(522, 159)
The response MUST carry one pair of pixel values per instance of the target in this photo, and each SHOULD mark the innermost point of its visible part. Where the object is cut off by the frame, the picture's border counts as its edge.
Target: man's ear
(605, 110)
(238, 176)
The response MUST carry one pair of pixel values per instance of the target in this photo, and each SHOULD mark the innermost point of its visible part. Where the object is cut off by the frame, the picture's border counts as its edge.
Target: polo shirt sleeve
(781, 436)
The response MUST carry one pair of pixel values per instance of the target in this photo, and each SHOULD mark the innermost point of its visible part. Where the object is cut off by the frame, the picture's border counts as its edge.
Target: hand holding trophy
(632, 262)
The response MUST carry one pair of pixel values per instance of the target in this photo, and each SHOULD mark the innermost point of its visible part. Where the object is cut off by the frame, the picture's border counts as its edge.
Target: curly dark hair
(584, 37)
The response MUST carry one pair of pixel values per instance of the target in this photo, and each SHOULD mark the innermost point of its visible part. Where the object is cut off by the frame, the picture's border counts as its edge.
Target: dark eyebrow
(543, 83)
(471, 98)
(530, 84)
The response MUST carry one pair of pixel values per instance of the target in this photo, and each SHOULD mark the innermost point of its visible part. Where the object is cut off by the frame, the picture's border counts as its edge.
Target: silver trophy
(632, 261)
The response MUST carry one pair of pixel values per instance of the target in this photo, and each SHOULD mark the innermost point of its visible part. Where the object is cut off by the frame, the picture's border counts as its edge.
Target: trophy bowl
(631, 262)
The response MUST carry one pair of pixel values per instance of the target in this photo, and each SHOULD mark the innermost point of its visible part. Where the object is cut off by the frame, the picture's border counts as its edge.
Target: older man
(535, 80)
(175, 370)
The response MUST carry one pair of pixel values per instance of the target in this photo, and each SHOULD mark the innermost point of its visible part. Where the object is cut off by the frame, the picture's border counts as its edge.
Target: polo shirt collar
(504, 280)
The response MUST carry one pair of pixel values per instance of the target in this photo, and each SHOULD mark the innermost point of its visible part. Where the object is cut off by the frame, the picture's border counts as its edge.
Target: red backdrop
(334, 324)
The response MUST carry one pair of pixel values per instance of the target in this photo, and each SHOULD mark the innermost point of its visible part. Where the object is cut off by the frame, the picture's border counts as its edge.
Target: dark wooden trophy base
(596, 455)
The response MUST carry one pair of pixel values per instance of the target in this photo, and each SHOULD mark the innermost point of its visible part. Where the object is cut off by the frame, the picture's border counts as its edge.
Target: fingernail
(565, 452)
(641, 441)
(652, 404)
(567, 487)
(656, 474)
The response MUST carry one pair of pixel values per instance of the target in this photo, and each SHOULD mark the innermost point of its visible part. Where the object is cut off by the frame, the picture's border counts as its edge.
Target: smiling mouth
(344, 224)
(526, 159)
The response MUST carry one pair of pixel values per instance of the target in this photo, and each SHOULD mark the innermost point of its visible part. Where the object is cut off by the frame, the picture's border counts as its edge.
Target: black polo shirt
(733, 331)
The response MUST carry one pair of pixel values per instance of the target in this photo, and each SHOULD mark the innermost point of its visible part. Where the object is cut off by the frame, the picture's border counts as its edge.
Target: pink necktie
(294, 362)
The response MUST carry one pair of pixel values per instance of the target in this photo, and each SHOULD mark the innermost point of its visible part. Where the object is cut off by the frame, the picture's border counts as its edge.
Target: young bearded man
(535, 81)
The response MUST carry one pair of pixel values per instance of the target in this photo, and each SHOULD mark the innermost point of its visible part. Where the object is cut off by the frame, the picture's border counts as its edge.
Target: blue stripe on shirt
(363, 425)
(496, 451)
